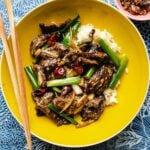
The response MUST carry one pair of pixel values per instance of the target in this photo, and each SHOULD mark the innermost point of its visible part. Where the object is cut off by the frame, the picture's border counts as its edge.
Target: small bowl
(134, 17)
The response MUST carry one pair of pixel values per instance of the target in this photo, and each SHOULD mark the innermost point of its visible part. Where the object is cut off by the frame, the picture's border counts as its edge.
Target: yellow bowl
(131, 92)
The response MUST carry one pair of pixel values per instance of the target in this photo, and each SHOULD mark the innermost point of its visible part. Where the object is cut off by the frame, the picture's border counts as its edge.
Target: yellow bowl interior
(133, 86)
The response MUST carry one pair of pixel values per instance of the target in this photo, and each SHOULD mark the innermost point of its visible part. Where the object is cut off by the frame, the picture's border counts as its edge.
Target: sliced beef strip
(50, 53)
(85, 58)
(53, 27)
(100, 80)
(87, 61)
(48, 28)
(42, 108)
(55, 51)
(95, 55)
(37, 43)
(68, 57)
(50, 63)
(93, 109)
(43, 101)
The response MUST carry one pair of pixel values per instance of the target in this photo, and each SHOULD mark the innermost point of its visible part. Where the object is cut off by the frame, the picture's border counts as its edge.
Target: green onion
(65, 81)
(32, 77)
(62, 114)
(46, 46)
(115, 58)
(29, 68)
(56, 89)
(67, 37)
(90, 73)
(120, 71)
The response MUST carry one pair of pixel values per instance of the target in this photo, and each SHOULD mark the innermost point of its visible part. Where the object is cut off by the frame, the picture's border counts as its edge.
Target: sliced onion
(40, 79)
(77, 89)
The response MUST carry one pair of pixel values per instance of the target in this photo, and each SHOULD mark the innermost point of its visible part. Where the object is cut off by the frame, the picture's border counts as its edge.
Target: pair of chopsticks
(16, 77)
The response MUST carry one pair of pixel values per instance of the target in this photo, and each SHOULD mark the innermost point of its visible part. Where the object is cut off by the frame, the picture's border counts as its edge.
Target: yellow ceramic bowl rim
(146, 89)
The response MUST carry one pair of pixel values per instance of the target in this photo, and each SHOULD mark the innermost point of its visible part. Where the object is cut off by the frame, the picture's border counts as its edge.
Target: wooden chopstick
(9, 61)
(11, 67)
(19, 73)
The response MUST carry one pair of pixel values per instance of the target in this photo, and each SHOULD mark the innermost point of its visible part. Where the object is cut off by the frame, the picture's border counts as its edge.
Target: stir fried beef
(87, 61)
(136, 7)
(100, 80)
(69, 77)
(53, 27)
(93, 109)
(37, 44)
(49, 62)
(58, 50)
(42, 108)
(95, 55)
(43, 101)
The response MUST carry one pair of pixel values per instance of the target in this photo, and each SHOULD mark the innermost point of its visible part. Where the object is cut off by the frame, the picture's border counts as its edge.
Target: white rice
(83, 36)
(83, 33)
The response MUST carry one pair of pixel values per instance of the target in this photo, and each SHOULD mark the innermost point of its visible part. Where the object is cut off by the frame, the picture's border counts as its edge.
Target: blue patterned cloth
(135, 137)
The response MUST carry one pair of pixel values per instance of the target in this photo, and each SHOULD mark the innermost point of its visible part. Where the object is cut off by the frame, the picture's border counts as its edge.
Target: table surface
(135, 137)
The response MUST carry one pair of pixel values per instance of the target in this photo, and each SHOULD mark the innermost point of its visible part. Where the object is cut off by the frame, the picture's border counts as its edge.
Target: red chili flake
(53, 38)
(39, 92)
(79, 69)
(59, 72)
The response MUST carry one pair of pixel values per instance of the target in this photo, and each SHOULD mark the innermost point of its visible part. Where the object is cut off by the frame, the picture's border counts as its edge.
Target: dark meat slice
(100, 80)
(97, 55)
(43, 101)
(57, 50)
(40, 74)
(42, 108)
(52, 27)
(37, 44)
(90, 47)
(58, 119)
(93, 109)
(50, 63)
(48, 28)
(87, 61)
(71, 55)
(49, 53)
